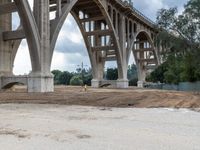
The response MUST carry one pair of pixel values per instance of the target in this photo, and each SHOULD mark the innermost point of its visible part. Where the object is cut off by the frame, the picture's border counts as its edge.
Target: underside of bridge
(111, 29)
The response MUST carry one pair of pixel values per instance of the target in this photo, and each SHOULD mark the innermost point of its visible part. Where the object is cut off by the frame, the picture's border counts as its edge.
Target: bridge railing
(137, 12)
(142, 15)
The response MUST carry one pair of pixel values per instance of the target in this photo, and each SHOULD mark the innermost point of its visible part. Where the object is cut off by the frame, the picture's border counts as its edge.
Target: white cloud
(68, 61)
(22, 63)
(60, 61)
(150, 7)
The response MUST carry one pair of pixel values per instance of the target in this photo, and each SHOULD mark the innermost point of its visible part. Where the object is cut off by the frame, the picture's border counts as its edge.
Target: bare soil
(105, 97)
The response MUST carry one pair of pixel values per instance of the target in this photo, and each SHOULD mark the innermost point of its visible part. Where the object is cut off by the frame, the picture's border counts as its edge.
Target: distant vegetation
(180, 37)
(112, 74)
(82, 77)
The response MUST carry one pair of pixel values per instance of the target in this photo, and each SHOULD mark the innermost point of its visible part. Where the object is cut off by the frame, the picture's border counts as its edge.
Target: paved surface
(60, 127)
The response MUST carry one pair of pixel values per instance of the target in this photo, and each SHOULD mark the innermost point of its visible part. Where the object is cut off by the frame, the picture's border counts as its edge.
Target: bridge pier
(141, 77)
(140, 84)
(122, 83)
(95, 83)
(141, 74)
(114, 83)
(5, 46)
(40, 83)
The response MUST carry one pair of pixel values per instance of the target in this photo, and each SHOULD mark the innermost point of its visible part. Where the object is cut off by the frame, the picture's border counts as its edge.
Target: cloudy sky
(70, 50)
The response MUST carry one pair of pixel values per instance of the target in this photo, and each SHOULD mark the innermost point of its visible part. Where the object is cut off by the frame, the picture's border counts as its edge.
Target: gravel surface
(61, 127)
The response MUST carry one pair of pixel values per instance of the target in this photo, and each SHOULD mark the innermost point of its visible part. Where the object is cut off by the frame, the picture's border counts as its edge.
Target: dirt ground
(132, 97)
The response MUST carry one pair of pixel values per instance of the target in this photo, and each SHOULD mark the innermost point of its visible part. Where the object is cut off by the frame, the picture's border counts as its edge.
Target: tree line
(84, 76)
(179, 36)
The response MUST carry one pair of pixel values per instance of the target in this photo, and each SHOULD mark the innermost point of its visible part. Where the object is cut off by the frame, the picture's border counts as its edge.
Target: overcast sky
(70, 49)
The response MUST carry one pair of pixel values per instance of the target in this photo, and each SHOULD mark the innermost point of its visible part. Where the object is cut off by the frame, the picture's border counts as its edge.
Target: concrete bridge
(111, 30)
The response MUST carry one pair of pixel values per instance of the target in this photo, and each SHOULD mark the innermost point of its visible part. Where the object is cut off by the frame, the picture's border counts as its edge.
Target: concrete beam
(7, 8)
(99, 32)
(144, 50)
(13, 35)
(111, 58)
(93, 19)
(103, 48)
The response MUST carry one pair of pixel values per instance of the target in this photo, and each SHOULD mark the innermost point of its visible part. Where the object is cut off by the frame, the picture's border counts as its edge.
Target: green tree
(180, 36)
(158, 74)
(65, 78)
(112, 74)
(76, 80)
(87, 76)
(57, 74)
(132, 75)
(132, 71)
(62, 77)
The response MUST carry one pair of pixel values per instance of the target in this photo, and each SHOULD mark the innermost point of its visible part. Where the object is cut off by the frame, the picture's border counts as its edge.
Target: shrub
(76, 80)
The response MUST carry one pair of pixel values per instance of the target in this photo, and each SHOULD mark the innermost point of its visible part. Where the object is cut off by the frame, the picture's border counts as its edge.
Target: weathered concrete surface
(112, 83)
(36, 83)
(59, 127)
(109, 35)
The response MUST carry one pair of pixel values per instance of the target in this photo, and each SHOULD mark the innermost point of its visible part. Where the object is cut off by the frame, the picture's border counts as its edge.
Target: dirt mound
(131, 97)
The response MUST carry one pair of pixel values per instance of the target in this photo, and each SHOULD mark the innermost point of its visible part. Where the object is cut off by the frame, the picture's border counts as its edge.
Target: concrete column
(59, 8)
(98, 71)
(116, 22)
(128, 35)
(122, 81)
(41, 14)
(5, 46)
(42, 80)
(141, 69)
(111, 13)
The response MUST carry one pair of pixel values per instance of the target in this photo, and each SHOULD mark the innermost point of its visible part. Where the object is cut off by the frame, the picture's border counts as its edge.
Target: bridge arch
(143, 35)
(11, 84)
(143, 50)
(108, 27)
(9, 81)
(31, 32)
(97, 30)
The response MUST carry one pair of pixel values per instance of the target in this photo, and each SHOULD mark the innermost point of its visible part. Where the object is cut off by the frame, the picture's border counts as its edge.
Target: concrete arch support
(144, 52)
(95, 48)
(111, 29)
(37, 33)
(30, 30)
